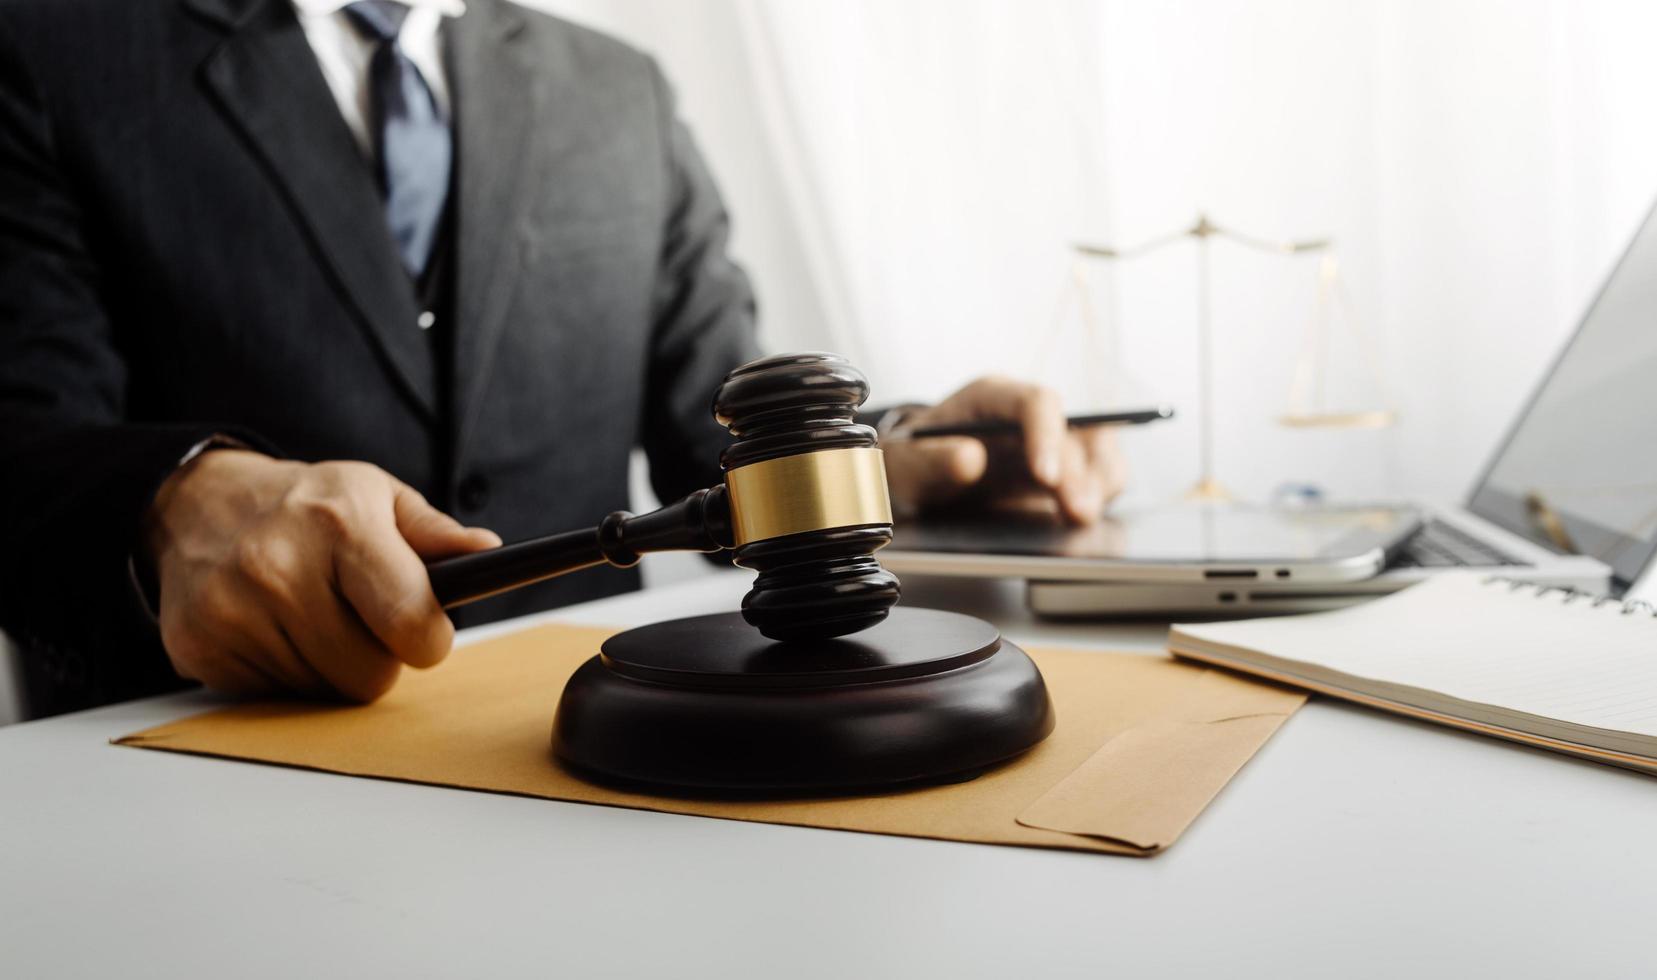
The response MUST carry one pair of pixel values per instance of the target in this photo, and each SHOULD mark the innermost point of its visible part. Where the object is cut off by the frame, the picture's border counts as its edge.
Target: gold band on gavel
(808, 492)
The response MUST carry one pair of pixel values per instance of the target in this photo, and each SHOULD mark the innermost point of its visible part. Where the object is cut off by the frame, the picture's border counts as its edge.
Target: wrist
(192, 462)
(144, 561)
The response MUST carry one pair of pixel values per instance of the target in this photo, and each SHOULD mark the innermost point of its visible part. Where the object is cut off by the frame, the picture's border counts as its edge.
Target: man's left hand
(1049, 468)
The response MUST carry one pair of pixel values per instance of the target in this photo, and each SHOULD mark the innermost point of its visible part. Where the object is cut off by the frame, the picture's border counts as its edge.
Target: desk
(1354, 843)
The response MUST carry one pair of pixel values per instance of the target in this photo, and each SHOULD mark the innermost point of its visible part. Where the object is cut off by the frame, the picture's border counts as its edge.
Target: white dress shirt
(344, 54)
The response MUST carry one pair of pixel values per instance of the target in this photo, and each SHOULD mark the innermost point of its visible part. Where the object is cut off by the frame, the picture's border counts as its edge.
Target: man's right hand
(284, 577)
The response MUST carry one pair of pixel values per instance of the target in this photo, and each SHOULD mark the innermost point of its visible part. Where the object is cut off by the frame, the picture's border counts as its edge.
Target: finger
(265, 588)
(1040, 417)
(221, 667)
(1045, 435)
(212, 668)
(1081, 490)
(228, 641)
(386, 584)
(242, 674)
(271, 650)
(933, 471)
(432, 533)
(1106, 460)
(345, 657)
(1034, 503)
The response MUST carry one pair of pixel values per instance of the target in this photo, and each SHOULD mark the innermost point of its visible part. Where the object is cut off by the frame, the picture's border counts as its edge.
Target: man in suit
(465, 246)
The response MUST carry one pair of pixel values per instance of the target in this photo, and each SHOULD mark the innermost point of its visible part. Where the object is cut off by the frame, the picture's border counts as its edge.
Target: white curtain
(907, 175)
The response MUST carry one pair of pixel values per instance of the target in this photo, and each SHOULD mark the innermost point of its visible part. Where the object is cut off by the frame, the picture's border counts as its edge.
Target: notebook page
(1480, 642)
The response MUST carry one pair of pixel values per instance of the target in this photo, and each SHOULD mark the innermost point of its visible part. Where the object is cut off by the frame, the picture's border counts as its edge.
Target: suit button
(473, 493)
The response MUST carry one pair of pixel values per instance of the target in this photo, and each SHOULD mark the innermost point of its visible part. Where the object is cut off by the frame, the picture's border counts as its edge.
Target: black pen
(1008, 427)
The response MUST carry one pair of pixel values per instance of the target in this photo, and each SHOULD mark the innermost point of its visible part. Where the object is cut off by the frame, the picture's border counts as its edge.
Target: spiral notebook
(1545, 666)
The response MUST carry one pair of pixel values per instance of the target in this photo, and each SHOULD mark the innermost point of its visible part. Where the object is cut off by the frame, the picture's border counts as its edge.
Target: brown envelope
(1142, 744)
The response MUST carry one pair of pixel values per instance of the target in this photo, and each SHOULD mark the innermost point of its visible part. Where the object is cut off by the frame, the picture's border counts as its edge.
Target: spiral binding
(1632, 607)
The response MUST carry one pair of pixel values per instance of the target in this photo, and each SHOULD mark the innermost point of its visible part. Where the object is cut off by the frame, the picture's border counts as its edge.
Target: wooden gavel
(804, 503)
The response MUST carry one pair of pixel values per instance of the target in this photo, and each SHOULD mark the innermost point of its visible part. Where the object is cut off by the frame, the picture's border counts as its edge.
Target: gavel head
(808, 498)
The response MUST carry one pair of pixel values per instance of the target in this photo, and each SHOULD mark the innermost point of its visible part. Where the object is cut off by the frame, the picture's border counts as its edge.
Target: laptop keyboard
(1442, 545)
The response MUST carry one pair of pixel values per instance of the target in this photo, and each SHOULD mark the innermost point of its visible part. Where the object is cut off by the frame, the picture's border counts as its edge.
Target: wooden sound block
(708, 704)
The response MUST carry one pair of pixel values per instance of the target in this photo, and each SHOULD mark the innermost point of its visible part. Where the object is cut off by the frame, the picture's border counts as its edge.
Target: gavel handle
(700, 522)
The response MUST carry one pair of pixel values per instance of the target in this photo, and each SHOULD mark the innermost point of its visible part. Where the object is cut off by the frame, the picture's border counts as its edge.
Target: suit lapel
(265, 79)
(502, 142)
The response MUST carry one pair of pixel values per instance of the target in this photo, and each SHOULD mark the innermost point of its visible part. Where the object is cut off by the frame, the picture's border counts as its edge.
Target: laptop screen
(1578, 472)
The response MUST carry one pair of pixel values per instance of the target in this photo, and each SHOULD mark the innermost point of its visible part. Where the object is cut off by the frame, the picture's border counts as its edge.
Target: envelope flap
(1145, 786)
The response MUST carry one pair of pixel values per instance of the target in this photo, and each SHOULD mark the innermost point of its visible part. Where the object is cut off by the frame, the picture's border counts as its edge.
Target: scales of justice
(1308, 402)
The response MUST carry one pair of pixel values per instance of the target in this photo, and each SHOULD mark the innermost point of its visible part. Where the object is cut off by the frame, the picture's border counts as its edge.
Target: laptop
(1179, 542)
(1569, 498)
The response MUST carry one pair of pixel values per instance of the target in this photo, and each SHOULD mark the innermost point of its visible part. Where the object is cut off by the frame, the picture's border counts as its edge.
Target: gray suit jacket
(191, 242)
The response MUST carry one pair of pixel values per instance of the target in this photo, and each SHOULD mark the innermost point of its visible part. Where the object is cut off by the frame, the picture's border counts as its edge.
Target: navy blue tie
(413, 148)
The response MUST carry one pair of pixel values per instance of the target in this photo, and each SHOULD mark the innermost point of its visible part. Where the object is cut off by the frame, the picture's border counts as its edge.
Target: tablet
(1170, 543)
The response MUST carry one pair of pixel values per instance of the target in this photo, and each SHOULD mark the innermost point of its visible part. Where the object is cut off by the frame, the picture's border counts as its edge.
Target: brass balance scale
(1308, 403)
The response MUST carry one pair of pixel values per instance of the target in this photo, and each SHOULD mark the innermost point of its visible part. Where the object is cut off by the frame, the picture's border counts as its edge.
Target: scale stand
(1208, 487)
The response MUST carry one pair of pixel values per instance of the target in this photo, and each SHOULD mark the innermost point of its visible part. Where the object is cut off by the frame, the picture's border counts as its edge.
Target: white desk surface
(1354, 844)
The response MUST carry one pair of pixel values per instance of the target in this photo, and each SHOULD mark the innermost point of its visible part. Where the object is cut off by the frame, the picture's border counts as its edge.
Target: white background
(905, 176)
